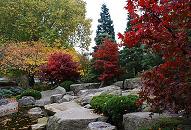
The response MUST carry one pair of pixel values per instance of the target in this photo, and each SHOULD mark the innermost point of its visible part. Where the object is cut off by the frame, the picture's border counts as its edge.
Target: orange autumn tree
(28, 56)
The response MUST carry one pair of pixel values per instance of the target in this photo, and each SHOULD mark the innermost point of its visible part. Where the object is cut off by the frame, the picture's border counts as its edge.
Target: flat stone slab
(9, 108)
(77, 87)
(71, 116)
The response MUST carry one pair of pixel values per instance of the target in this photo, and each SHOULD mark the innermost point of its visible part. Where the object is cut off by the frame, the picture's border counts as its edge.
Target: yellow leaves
(28, 56)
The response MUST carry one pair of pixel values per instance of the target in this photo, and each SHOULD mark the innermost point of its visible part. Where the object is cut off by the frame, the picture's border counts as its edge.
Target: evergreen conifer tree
(105, 29)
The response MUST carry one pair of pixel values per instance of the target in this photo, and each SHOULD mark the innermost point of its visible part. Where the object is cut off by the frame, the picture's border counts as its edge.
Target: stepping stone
(71, 116)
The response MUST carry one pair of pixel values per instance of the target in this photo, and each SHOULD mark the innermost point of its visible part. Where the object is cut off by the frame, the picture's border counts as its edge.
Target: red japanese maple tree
(60, 67)
(165, 27)
(107, 60)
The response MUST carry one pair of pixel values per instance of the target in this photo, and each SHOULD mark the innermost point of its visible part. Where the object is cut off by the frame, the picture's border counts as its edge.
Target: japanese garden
(57, 74)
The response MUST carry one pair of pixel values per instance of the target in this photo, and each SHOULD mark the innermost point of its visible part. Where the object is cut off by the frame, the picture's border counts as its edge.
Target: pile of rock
(85, 96)
(51, 96)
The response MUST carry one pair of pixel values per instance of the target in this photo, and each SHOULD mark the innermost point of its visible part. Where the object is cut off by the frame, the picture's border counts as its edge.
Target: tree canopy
(53, 21)
(164, 26)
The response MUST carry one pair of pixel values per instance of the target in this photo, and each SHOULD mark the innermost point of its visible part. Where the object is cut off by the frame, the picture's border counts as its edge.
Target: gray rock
(88, 106)
(42, 102)
(41, 125)
(77, 87)
(36, 112)
(134, 91)
(8, 109)
(137, 120)
(55, 98)
(26, 101)
(100, 126)
(68, 97)
(47, 94)
(70, 93)
(70, 116)
(85, 96)
(38, 127)
(129, 83)
(63, 100)
(3, 101)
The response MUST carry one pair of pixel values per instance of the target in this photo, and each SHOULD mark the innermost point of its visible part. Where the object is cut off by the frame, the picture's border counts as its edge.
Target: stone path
(70, 116)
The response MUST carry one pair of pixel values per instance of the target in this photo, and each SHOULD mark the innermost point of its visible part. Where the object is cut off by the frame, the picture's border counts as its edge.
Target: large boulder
(26, 101)
(41, 125)
(129, 83)
(9, 108)
(66, 98)
(85, 96)
(36, 112)
(55, 98)
(70, 116)
(77, 87)
(46, 95)
(100, 126)
(137, 120)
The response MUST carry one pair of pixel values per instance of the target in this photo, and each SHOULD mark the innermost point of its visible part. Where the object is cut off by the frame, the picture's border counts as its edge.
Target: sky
(116, 10)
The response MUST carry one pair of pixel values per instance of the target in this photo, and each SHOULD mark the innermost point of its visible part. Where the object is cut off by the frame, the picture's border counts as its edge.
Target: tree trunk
(102, 84)
(31, 80)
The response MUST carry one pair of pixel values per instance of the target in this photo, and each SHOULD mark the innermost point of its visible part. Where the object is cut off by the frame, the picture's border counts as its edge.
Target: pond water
(17, 121)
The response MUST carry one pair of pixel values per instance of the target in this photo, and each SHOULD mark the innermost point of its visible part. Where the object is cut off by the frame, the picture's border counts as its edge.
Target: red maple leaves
(165, 27)
(107, 60)
(60, 67)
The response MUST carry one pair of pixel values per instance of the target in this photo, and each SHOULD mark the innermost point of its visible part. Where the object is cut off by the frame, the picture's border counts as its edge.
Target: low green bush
(6, 93)
(66, 85)
(16, 90)
(98, 102)
(9, 92)
(119, 105)
(114, 106)
(30, 92)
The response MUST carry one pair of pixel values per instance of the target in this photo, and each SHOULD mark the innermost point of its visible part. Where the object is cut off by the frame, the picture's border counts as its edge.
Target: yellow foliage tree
(28, 56)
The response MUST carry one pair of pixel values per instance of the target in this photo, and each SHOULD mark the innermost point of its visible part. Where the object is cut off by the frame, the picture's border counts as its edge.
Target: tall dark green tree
(105, 28)
(129, 26)
(137, 59)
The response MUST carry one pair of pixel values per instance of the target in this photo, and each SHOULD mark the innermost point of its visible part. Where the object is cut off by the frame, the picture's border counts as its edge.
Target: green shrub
(41, 87)
(30, 92)
(16, 90)
(66, 85)
(98, 102)
(114, 106)
(89, 78)
(6, 93)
